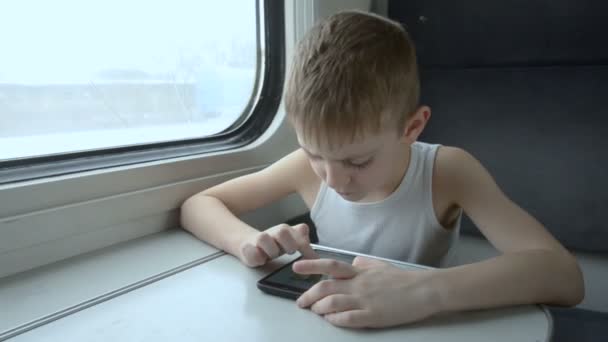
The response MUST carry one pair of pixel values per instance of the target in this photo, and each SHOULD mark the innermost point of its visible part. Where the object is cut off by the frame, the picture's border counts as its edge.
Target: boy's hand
(367, 294)
(274, 242)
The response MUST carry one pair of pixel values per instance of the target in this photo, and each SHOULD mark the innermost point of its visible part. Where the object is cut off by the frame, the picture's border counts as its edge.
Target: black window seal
(261, 109)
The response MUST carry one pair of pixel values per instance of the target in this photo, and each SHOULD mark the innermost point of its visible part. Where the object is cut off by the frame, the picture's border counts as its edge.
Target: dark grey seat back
(523, 86)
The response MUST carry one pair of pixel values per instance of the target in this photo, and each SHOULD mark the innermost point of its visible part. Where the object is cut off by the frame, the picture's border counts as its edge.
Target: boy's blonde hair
(353, 73)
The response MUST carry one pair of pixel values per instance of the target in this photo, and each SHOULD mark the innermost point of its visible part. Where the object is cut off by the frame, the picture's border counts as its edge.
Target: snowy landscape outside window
(89, 75)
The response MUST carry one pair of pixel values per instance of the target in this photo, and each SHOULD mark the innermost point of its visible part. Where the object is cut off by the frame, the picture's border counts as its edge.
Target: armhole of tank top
(314, 210)
(429, 162)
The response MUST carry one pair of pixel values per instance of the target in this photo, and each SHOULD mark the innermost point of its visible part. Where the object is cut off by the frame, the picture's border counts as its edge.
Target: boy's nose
(336, 177)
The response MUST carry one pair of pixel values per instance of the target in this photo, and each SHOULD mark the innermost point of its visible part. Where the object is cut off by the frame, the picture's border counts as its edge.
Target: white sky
(67, 41)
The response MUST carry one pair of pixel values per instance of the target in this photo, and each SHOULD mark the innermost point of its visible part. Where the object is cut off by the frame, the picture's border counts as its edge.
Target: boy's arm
(533, 267)
(212, 215)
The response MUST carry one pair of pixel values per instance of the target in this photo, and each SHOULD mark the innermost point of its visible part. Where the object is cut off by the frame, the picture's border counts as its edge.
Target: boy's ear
(415, 125)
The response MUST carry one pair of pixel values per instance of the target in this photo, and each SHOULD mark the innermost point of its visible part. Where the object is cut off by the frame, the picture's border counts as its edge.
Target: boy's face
(366, 170)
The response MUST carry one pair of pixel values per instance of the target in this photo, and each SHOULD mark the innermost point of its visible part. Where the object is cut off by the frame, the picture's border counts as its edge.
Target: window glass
(87, 75)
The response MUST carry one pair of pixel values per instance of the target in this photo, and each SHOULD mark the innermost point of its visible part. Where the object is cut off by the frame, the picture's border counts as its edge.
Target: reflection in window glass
(85, 75)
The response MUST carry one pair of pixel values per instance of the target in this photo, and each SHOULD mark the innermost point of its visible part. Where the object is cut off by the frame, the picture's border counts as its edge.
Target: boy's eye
(358, 165)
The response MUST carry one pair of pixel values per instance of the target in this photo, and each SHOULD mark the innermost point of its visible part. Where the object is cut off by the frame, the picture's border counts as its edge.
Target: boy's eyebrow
(348, 158)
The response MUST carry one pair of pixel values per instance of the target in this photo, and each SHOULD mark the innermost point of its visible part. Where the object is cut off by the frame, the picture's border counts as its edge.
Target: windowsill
(35, 297)
(219, 300)
(32, 298)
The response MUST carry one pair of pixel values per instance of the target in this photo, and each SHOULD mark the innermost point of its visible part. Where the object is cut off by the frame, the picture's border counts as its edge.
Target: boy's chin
(351, 196)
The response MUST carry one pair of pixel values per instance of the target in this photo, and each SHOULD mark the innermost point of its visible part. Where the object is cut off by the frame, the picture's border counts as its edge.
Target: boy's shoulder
(448, 157)
(452, 164)
(457, 173)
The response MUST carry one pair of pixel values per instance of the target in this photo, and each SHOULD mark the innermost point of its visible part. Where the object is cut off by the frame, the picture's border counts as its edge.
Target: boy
(352, 98)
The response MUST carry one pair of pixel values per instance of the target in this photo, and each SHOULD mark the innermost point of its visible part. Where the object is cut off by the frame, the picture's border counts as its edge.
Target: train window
(98, 84)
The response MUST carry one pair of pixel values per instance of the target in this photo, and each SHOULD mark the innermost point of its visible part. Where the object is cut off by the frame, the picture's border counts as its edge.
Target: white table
(219, 301)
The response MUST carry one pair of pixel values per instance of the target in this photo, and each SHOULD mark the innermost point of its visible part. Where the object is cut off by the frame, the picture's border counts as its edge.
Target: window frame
(254, 121)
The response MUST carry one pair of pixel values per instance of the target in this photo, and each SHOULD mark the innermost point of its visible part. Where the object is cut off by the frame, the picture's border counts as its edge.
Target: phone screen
(286, 283)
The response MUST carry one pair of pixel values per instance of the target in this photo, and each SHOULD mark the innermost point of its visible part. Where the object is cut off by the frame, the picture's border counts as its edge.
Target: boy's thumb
(302, 228)
(363, 262)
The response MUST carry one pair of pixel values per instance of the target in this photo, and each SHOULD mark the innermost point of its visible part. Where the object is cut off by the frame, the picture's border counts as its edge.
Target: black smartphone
(284, 282)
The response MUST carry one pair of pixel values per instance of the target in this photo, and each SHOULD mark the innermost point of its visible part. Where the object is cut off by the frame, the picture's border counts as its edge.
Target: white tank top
(402, 226)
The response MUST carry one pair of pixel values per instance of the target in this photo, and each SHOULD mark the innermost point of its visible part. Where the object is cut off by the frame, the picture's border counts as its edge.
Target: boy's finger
(286, 240)
(302, 229)
(333, 268)
(267, 244)
(363, 262)
(304, 242)
(321, 290)
(254, 256)
(334, 303)
(308, 252)
(351, 319)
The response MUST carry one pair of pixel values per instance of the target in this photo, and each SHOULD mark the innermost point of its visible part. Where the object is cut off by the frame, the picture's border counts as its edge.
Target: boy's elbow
(574, 295)
(577, 294)
(188, 203)
(187, 210)
(573, 287)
